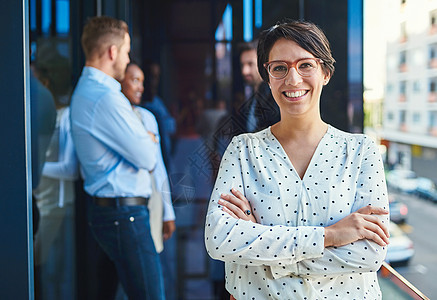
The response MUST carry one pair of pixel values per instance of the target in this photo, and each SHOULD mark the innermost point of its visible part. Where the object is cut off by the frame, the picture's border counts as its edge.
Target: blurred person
(43, 120)
(55, 197)
(116, 155)
(154, 103)
(54, 71)
(251, 112)
(167, 125)
(209, 119)
(162, 226)
(259, 110)
(54, 257)
(299, 210)
(192, 107)
(133, 87)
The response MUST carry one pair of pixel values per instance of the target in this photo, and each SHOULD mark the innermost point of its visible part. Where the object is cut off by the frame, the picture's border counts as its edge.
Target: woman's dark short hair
(306, 34)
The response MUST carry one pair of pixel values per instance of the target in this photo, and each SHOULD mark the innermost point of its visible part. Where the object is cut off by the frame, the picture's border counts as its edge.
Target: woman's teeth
(295, 94)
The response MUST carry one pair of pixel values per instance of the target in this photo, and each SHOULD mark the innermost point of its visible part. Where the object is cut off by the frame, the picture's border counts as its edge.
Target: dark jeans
(123, 232)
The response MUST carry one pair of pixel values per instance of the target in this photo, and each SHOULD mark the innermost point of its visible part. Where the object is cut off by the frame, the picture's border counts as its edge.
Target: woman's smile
(295, 95)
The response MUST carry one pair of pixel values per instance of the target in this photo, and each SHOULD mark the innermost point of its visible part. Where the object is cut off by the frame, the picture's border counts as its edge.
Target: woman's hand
(168, 227)
(359, 225)
(237, 205)
(153, 137)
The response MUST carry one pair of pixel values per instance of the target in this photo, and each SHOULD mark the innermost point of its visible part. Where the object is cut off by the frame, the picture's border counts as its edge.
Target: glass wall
(56, 168)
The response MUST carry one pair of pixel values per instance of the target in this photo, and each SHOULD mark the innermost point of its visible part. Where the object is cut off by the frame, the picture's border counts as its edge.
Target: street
(420, 227)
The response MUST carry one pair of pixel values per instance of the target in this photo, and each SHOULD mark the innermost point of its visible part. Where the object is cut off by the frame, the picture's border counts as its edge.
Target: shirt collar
(102, 78)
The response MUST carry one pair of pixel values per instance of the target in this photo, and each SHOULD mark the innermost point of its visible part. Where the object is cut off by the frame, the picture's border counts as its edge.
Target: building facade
(410, 104)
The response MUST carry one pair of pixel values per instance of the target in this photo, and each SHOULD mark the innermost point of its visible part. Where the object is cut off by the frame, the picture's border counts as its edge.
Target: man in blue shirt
(116, 154)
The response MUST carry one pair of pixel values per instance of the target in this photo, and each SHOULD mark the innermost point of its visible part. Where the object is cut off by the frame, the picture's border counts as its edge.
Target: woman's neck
(297, 129)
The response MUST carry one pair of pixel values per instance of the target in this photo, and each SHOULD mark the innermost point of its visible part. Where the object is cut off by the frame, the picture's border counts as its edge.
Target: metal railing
(388, 272)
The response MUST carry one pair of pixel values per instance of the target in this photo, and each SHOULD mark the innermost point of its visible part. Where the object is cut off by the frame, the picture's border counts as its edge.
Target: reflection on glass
(55, 165)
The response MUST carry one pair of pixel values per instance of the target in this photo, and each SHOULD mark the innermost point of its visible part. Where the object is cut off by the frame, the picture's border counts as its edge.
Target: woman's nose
(293, 78)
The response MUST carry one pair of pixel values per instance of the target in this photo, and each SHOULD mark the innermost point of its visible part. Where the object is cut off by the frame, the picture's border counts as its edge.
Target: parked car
(426, 189)
(402, 180)
(398, 210)
(401, 247)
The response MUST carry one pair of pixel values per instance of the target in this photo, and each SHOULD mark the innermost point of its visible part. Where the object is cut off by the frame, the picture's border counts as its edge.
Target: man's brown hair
(100, 33)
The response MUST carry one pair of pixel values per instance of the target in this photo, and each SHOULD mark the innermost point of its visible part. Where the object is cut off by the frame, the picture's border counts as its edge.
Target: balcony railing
(432, 131)
(433, 63)
(403, 286)
(403, 67)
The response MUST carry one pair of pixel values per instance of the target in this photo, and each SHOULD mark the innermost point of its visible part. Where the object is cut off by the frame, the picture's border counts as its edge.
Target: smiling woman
(133, 84)
(299, 210)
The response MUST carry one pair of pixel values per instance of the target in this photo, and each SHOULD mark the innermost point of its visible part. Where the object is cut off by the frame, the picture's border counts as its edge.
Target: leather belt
(121, 201)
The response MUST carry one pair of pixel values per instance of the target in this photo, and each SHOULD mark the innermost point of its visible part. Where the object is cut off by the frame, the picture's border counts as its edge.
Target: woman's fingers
(379, 228)
(237, 204)
(239, 195)
(236, 211)
(232, 207)
(379, 223)
(234, 200)
(377, 233)
(371, 235)
(237, 198)
(369, 209)
(225, 209)
(362, 224)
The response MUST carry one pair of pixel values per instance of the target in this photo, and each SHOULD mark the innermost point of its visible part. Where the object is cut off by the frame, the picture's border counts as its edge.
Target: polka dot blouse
(283, 257)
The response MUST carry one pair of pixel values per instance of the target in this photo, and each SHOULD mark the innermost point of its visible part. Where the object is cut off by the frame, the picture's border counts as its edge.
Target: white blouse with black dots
(283, 256)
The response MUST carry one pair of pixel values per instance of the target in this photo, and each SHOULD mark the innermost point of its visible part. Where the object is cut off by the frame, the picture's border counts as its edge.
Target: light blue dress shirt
(114, 149)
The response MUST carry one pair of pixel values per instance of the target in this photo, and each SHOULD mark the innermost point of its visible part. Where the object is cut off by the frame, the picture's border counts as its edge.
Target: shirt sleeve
(169, 214)
(363, 255)
(161, 178)
(116, 125)
(67, 167)
(160, 172)
(243, 242)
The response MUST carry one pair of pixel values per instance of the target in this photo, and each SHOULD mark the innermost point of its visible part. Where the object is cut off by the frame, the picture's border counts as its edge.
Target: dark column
(16, 255)
(237, 27)
(342, 23)
(332, 18)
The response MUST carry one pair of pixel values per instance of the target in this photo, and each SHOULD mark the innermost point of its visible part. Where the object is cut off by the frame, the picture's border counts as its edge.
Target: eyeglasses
(305, 67)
